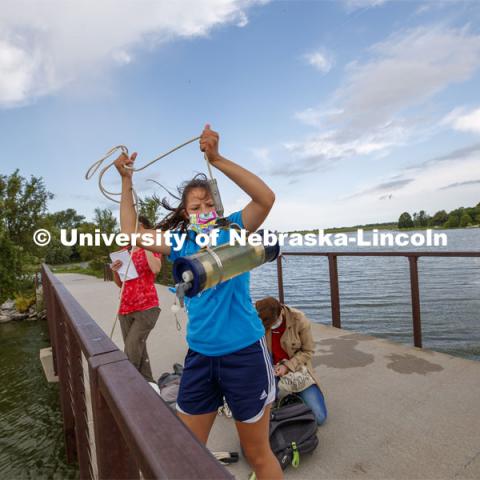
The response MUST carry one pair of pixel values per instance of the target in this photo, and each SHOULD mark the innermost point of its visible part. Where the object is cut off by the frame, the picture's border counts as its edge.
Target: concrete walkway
(395, 412)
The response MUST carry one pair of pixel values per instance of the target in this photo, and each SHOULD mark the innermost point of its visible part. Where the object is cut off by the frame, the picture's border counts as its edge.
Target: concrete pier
(394, 412)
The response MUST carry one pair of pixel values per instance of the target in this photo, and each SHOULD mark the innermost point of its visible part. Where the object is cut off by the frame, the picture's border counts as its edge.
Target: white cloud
(376, 108)
(46, 45)
(463, 121)
(421, 187)
(262, 154)
(316, 117)
(383, 198)
(356, 4)
(17, 68)
(327, 145)
(409, 68)
(321, 60)
(242, 20)
(122, 57)
(430, 177)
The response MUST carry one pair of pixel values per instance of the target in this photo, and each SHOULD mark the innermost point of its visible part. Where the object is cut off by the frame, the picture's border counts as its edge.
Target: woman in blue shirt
(227, 355)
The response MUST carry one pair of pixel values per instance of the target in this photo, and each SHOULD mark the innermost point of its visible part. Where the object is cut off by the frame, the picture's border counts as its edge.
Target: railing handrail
(410, 253)
(134, 428)
(412, 256)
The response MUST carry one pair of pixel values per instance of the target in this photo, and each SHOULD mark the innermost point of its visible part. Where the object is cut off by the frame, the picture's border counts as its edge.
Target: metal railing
(107, 273)
(334, 287)
(135, 433)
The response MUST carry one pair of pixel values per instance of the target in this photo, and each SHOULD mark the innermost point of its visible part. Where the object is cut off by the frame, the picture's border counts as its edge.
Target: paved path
(394, 412)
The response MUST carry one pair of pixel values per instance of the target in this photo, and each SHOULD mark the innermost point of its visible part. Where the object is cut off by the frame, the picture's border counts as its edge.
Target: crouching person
(290, 341)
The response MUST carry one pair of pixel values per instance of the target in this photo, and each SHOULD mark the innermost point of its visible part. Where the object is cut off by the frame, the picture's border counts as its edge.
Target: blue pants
(313, 397)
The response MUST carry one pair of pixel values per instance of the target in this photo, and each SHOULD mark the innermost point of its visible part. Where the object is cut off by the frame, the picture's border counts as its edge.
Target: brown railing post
(417, 324)
(281, 296)
(114, 458)
(334, 291)
(107, 273)
(163, 275)
(63, 374)
(79, 405)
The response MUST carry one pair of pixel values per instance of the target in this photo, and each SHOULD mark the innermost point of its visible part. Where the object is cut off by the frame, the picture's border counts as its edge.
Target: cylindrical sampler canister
(209, 267)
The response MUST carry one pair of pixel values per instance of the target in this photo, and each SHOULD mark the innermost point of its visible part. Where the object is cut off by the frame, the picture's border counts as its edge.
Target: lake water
(375, 292)
(31, 436)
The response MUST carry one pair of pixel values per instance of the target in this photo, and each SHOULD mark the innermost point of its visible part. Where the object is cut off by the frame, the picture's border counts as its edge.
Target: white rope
(123, 149)
(91, 172)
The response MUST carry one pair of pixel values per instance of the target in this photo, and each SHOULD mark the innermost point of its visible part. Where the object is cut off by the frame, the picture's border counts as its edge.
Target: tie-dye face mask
(203, 222)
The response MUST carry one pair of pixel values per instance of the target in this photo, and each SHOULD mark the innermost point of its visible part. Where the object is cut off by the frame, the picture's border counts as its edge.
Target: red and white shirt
(139, 293)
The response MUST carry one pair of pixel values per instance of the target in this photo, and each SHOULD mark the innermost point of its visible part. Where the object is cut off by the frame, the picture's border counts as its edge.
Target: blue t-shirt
(222, 319)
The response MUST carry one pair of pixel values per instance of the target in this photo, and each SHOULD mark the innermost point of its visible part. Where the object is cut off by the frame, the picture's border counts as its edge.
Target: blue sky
(353, 111)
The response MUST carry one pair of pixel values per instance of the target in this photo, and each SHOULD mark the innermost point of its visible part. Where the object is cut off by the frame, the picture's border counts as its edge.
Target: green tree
(420, 219)
(439, 218)
(67, 219)
(10, 266)
(105, 221)
(150, 207)
(405, 220)
(465, 220)
(87, 253)
(56, 253)
(24, 204)
(453, 221)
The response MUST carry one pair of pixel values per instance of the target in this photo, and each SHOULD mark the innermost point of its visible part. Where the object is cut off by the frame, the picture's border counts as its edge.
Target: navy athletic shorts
(245, 378)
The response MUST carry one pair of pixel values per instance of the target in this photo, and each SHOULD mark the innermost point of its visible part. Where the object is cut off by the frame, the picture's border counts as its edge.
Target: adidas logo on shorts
(263, 395)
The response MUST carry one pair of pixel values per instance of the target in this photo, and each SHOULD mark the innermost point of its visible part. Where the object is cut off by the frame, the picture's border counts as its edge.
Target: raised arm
(263, 198)
(154, 262)
(128, 214)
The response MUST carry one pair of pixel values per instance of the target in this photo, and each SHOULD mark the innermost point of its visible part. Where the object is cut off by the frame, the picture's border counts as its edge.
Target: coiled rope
(110, 195)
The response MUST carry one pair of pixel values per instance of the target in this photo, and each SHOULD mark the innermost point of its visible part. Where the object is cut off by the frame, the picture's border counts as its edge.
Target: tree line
(458, 218)
(24, 209)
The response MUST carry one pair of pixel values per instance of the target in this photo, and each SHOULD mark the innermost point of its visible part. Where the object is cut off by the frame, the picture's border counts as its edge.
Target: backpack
(293, 431)
(169, 384)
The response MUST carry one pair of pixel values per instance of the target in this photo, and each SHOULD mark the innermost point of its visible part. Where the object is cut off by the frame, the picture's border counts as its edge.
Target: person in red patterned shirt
(139, 309)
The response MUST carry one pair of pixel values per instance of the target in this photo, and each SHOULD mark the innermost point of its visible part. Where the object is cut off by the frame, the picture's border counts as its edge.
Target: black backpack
(293, 432)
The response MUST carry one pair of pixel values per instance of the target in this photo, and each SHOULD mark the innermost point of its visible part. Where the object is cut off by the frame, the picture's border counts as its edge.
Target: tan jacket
(297, 341)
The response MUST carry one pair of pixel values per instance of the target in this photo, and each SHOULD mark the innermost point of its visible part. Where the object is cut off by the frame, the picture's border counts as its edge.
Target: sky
(352, 111)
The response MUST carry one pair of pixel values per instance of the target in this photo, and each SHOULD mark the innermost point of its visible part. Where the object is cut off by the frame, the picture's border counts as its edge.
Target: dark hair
(145, 222)
(269, 309)
(176, 220)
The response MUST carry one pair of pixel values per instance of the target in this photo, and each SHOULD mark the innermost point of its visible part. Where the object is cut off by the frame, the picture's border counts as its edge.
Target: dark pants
(136, 327)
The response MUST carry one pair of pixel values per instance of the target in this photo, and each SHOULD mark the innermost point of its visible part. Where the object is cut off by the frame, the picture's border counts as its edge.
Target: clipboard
(124, 257)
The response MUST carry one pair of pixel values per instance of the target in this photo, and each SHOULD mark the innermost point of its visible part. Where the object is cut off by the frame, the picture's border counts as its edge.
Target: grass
(76, 269)
(165, 277)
